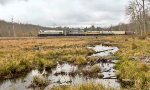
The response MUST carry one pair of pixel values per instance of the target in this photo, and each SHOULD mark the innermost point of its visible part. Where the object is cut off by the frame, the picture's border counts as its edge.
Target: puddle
(18, 84)
(104, 50)
(67, 74)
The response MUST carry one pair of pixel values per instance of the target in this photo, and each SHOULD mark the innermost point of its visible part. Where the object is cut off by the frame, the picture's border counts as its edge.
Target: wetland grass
(85, 86)
(132, 69)
(17, 56)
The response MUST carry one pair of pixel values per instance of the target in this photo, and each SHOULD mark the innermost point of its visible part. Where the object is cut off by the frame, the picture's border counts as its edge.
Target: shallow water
(104, 50)
(61, 74)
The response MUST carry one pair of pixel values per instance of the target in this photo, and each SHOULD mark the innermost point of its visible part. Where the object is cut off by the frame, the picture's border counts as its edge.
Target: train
(45, 33)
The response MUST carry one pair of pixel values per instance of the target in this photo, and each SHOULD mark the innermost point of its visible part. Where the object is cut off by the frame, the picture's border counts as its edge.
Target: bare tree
(137, 10)
(13, 27)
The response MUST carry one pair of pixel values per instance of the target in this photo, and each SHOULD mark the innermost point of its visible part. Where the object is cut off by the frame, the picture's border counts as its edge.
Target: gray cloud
(3, 2)
(64, 12)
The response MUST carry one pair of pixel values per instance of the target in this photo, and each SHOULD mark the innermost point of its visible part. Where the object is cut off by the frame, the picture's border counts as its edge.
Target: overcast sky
(64, 12)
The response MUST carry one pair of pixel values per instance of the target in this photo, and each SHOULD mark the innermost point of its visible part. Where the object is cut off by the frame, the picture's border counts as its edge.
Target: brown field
(20, 55)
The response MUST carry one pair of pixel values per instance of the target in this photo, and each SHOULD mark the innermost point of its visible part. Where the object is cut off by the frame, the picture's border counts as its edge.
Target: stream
(66, 73)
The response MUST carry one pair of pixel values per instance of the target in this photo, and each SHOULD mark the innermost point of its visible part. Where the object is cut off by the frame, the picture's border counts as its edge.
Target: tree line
(9, 29)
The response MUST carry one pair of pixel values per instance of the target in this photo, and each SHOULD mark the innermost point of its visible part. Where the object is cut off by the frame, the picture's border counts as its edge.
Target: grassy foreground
(22, 55)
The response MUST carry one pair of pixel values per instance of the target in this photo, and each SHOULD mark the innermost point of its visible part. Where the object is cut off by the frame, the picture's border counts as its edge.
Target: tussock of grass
(134, 46)
(80, 60)
(39, 81)
(86, 86)
(46, 63)
(16, 65)
(92, 59)
(134, 71)
(92, 71)
(95, 68)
